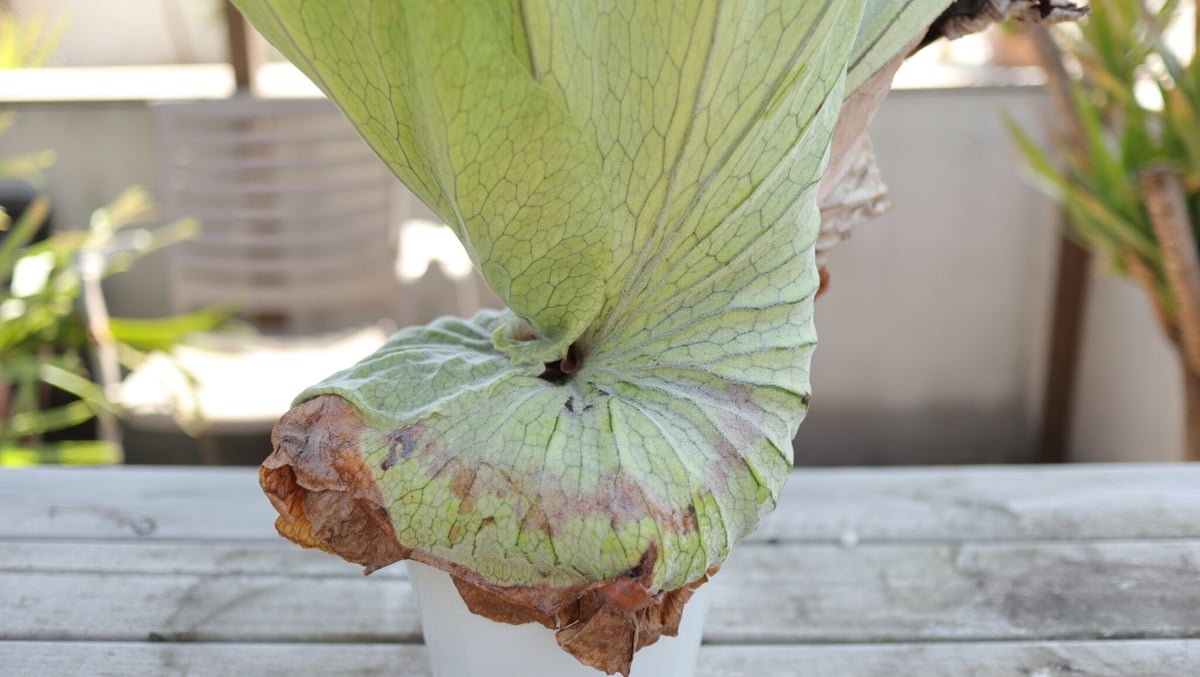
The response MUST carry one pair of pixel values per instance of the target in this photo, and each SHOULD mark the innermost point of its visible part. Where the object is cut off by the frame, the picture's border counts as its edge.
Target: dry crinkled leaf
(317, 481)
(325, 496)
(852, 191)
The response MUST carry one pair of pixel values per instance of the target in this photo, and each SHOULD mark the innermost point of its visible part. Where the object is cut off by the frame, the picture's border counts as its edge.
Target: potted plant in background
(47, 389)
(1125, 163)
(640, 183)
(46, 383)
(27, 41)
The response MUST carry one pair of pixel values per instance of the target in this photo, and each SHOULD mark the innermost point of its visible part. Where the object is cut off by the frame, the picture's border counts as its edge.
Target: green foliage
(28, 166)
(1117, 130)
(43, 338)
(28, 42)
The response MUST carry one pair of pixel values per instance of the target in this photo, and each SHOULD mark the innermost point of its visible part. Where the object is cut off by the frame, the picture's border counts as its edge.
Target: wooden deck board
(1144, 658)
(898, 504)
(979, 571)
(794, 593)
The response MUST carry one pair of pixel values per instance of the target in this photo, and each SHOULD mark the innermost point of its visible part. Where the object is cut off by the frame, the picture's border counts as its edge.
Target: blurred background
(954, 329)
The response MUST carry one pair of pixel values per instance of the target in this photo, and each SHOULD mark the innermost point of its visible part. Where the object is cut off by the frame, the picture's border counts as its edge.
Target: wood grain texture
(792, 593)
(106, 607)
(989, 572)
(1146, 658)
(129, 502)
(123, 659)
(894, 504)
(971, 591)
(989, 503)
(1162, 658)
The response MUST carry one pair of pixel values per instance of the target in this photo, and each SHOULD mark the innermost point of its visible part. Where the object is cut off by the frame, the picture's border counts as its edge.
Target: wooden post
(1066, 332)
(245, 49)
(1070, 287)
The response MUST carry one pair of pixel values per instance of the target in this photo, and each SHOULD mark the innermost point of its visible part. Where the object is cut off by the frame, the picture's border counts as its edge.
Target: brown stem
(1166, 202)
(1059, 89)
(1140, 271)
(1072, 282)
(1191, 392)
(1070, 301)
(245, 52)
(5, 399)
(1144, 275)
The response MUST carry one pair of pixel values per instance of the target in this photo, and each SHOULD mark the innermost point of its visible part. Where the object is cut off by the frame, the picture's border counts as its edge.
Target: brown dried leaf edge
(327, 498)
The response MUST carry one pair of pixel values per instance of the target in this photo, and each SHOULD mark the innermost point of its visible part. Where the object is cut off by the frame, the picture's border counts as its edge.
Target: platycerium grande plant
(638, 181)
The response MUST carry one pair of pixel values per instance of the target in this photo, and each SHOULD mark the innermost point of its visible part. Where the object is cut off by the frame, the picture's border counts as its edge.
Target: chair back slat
(295, 212)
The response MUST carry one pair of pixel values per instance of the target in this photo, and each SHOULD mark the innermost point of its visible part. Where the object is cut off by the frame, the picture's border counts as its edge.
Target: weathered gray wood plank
(109, 659)
(765, 593)
(892, 504)
(1146, 658)
(199, 558)
(946, 571)
(134, 502)
(1046, 590)
(990, 503)
(99, 607)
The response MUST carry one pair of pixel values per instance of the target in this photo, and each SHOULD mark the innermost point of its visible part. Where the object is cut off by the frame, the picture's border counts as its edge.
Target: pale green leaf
(442, 91)
(888, 26)
(637, 180)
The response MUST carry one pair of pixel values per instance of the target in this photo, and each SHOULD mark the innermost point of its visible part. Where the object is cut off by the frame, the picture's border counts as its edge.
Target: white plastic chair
(294, 207)
(297, 237)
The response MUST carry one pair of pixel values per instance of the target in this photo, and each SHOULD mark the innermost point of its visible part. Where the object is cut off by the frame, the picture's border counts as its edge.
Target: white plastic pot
(462, 644)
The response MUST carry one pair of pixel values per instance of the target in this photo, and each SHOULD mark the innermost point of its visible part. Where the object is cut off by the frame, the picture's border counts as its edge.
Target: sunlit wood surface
(983, 571)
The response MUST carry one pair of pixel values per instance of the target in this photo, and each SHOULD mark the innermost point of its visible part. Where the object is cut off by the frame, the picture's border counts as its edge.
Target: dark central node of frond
(559, 372)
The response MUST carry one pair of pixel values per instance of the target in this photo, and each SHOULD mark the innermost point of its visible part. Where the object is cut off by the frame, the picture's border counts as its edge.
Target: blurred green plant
(29, 41)
(44, 338)
(1124, 161)
(28, 166)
